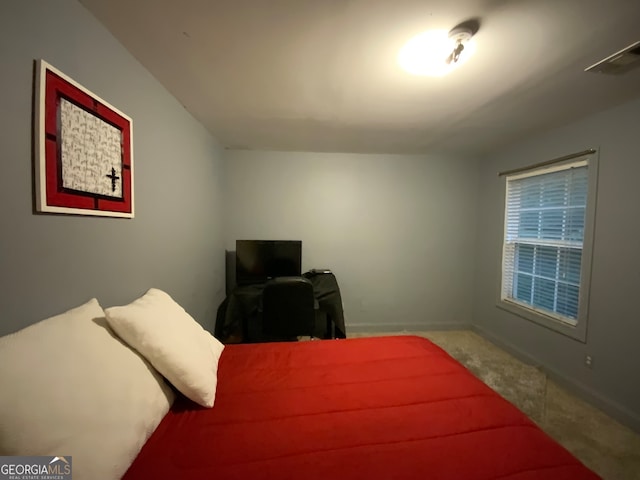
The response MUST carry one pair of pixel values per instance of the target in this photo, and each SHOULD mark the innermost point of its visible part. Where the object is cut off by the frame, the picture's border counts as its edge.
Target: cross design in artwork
(113, 178)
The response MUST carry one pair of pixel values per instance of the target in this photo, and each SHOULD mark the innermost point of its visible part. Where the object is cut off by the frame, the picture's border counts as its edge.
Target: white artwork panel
(91, 152)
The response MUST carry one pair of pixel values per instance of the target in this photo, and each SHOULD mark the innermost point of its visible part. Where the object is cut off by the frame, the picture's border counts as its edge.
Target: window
(547, 244)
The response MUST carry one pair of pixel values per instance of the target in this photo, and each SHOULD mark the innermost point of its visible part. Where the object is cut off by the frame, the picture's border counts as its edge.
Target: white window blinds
(543, 239)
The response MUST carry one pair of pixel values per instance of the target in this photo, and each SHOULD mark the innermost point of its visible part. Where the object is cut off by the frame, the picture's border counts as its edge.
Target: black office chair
(288, 309)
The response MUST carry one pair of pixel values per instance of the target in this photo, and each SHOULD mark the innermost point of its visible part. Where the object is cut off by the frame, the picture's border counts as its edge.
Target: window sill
(576, 332)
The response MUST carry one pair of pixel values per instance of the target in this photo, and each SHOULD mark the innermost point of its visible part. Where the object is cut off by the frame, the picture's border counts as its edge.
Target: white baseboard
(610, 407)
(403, 327)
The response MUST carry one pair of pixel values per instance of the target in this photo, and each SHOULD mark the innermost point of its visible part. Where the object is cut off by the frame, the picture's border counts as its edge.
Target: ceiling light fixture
(437, 52)
(459, 36)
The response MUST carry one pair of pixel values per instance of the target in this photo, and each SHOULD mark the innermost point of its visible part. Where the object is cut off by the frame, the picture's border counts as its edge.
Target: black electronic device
(259, 260)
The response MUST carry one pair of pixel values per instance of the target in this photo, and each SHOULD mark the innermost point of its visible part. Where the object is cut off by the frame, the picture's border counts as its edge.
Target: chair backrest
(288, 307)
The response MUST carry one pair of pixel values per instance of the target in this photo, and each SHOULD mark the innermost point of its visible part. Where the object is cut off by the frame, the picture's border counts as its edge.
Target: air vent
(620, 62)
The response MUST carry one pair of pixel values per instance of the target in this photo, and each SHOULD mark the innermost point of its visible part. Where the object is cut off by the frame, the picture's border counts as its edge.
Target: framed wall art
(84, 150)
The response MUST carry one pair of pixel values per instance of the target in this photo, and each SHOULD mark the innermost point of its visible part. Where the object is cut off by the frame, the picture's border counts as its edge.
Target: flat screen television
(259, 260)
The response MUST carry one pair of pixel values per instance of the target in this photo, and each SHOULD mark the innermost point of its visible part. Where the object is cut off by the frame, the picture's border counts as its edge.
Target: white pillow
(71, 387)
(173, 342)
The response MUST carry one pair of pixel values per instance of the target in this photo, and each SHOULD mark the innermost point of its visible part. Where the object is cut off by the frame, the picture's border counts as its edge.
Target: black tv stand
(238, 318)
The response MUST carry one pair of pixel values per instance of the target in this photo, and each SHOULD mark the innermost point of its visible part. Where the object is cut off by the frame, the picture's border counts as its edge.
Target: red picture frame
(84, 150)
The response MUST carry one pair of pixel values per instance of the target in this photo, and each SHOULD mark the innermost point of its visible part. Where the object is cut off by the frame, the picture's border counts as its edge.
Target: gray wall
(50, 263)
(398, 231)
(614, 318)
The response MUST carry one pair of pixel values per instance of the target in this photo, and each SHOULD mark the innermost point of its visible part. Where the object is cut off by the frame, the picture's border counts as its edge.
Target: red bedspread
(370, 408)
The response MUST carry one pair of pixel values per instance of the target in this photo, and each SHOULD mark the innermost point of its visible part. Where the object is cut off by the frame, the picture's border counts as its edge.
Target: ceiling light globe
(426, 54)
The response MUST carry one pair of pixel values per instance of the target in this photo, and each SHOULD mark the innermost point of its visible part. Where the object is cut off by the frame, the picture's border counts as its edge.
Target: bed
(142, 391)
(388, 407)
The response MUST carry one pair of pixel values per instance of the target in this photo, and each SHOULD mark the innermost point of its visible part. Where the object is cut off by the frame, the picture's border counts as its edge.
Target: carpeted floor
(604, 445)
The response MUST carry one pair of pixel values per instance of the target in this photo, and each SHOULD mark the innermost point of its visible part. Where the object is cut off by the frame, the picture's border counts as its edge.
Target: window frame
(577, 331)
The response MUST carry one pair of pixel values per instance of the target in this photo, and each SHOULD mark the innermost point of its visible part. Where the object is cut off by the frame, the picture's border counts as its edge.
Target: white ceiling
(321, 75)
